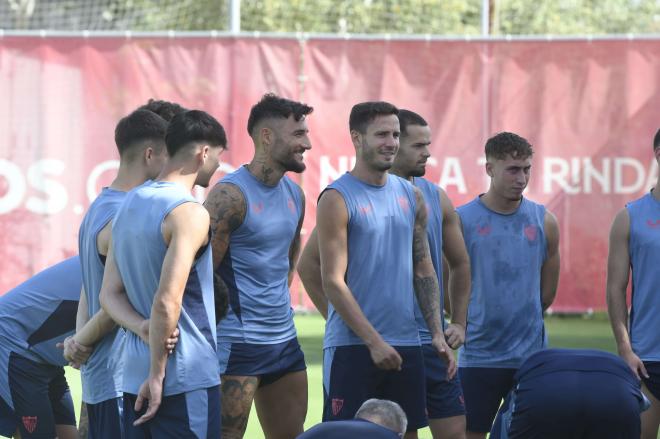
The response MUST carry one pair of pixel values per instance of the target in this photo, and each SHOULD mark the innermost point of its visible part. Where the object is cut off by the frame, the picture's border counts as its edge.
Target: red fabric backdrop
(588, 107)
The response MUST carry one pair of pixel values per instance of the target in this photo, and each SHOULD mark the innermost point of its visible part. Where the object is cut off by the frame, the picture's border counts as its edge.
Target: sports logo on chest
(291, 205)
(364, 210)
(531, 232)
(403, 203)
(257, 208)
(653, 224)
(484, 229)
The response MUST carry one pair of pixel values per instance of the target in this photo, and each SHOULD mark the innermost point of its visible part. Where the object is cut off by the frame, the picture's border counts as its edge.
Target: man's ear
(266, 136)
(489, 169)
(356, 138)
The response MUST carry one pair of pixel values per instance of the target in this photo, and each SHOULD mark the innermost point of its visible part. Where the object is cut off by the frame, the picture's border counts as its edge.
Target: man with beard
(256, 216)
(374, 253)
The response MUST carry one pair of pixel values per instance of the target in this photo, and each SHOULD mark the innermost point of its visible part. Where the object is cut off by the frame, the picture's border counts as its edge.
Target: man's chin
(418, 172)
(296, 167)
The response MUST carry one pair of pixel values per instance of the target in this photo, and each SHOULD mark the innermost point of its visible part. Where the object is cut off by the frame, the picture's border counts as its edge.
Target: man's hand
(446, 354)
(385, 356)
(455, 335)
(170, 343)
(152, 392)
(635, 364)
(75, 353)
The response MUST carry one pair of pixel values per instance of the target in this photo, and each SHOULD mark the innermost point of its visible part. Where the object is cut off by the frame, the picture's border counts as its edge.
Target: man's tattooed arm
(227, 207)
(425, 279)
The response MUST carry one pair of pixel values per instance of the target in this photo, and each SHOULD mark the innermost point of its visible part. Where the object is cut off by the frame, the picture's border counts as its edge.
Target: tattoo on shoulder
(227, 207)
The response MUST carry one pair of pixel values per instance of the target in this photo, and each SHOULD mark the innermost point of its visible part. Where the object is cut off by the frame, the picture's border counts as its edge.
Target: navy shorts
(350, 377)
(653, 381)
(105, 419)
(7, 420)
(571, 404)
(41, 399)
(444, 398)
(269, 362)
(190, 415)
(484, 388)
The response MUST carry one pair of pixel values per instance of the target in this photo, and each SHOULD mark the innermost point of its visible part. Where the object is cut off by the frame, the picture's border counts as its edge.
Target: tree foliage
(437, 17)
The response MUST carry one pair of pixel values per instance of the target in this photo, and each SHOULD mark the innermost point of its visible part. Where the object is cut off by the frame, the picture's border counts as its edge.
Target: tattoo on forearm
(420, 238)
(237, 396)
(428, 298)
(420, 245)
(83, 423)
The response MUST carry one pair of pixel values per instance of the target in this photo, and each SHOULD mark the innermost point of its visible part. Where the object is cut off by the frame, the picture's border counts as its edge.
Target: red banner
(588, 107)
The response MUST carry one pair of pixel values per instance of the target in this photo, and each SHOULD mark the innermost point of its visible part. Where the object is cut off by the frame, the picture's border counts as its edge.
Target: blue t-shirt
(38, 314)
(379, 273)
(256, 265)
(505, 314)
(139, 251)
(644, 248)
(434, 233)
(101, 377)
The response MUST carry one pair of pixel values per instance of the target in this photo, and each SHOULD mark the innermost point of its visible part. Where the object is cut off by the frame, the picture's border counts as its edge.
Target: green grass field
(570, 332)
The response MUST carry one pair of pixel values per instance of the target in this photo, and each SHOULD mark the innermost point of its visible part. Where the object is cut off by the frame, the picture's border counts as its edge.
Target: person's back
(35, 317)
(160, 259)
(41, 312)
(572, 394)
(100, 379)
(139, 251)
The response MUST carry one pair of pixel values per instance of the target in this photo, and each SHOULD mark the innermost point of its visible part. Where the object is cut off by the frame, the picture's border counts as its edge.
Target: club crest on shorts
(337, 404)
(30, 423)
